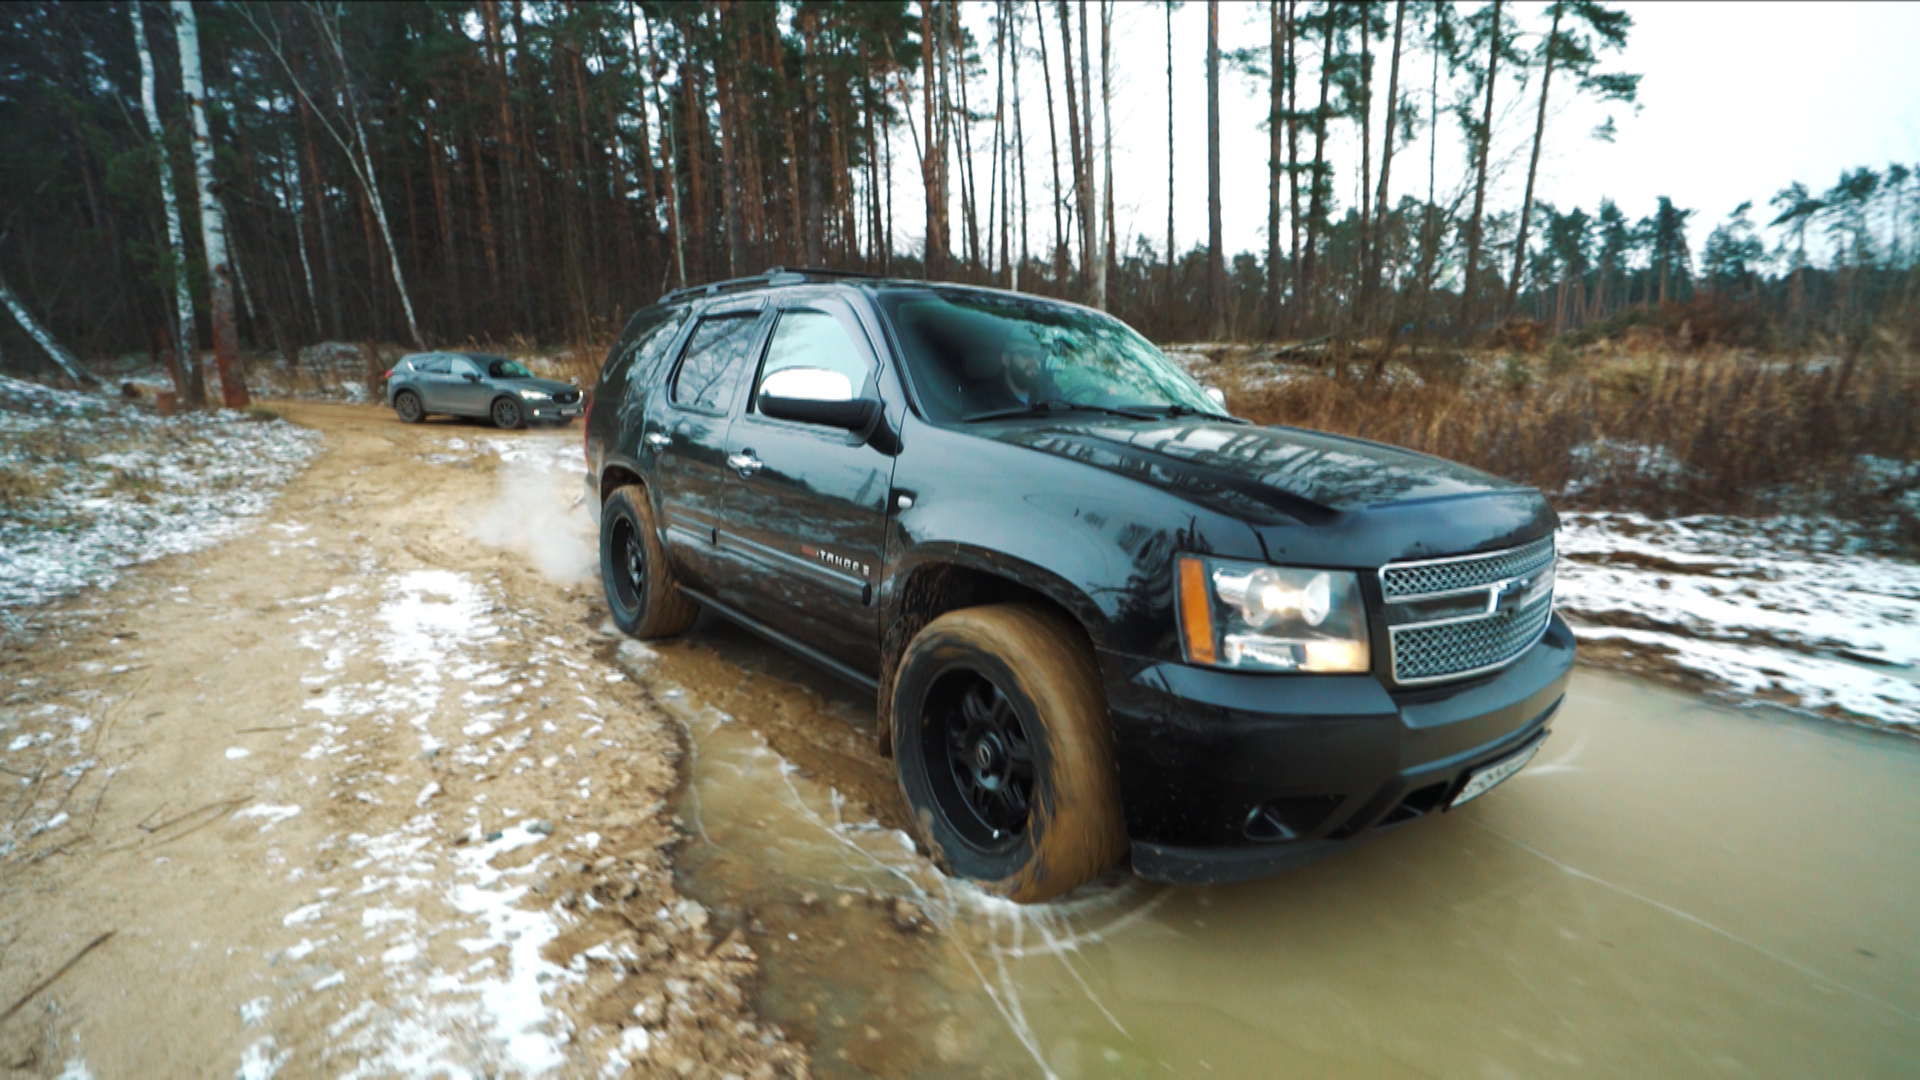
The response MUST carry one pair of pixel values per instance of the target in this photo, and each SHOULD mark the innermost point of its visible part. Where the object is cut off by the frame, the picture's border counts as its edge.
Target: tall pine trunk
(1380, 203)
(1053, 140)
(1216, 257)
(1107, 264)
(1082, 197)
(1533, 168)
(213, 222)
(1317, 186)
(188, 380)
(1276, 132)
(1172, 256)
(1480, 176)
(933, 158)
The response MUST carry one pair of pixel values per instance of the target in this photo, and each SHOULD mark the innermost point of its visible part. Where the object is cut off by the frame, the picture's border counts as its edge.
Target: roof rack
(776, 275)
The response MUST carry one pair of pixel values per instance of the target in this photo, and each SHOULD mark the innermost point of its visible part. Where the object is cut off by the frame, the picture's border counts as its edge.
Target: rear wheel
(507, 413)
(1005, 757)
(641, 593)
(407, 404)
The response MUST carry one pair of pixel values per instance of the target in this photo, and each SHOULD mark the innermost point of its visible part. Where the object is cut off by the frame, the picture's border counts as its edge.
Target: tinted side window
(438, 365)
(642, 355)
(815, 339)
(716, 356)
(464, 366)
(619, 366)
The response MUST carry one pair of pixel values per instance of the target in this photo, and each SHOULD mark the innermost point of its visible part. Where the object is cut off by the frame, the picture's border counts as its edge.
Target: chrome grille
(566, 397)
(1459, 649)
(1432, 639)
(1465, 572)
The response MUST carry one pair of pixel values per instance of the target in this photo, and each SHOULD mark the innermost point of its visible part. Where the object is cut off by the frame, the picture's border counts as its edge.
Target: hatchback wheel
(508, 414)
(641, 593)
(407, 404)
(1005, 757)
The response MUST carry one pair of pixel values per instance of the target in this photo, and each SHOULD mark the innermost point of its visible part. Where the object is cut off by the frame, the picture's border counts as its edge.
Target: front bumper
(1228, 776)
(551, 410)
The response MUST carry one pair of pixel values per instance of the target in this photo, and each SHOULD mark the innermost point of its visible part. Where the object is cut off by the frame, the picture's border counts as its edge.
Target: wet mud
(1673, 887)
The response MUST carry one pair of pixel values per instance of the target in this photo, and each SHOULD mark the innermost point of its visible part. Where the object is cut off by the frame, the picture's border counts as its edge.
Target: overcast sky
(1735, 103)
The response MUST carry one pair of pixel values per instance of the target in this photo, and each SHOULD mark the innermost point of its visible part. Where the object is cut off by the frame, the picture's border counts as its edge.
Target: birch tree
(350, 133)
(58, 352)
(213, 220)
(189, 381)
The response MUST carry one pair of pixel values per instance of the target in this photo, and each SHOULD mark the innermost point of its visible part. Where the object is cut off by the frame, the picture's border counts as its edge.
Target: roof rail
(777, 275)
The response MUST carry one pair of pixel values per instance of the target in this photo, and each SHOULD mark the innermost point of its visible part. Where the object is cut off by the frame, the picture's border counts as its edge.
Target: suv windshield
(971, 354)
(499, 367)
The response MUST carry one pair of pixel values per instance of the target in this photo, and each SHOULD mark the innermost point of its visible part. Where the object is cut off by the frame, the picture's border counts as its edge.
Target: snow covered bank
(91, 484)
(1788, 609)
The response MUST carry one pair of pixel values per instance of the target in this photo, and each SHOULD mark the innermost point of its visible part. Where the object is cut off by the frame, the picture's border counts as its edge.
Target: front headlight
(1254, 617)
(535, 395)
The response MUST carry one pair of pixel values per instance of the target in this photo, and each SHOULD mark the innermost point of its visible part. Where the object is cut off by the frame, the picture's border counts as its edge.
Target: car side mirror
(471, 377)
(810, 395)
(1217, 396)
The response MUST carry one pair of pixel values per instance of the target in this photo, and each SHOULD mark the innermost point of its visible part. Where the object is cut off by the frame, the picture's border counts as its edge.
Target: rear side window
(640, 354)
(439, 365)
(716, 357)
(815, 339)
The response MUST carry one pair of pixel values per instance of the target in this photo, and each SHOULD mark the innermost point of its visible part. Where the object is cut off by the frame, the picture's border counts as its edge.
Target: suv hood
(550, 386)
(1297, 488)
(1299, 473)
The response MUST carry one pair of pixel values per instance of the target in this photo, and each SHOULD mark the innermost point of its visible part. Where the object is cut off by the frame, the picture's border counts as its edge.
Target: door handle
(658, 440)
(744, 463)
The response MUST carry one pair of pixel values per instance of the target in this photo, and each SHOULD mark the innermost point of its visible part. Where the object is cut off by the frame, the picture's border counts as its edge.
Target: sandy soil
(360, 792)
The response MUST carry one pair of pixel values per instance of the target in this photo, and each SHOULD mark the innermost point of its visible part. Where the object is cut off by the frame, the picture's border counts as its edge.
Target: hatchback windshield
(976, 354)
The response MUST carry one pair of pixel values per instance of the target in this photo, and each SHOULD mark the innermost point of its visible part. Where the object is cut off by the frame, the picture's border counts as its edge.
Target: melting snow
(122, 486)
(1786, 606)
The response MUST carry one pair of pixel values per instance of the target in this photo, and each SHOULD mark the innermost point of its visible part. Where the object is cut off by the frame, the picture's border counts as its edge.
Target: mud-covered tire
(1041, 665)
(641, 593)
(508, 413)
(406, 403)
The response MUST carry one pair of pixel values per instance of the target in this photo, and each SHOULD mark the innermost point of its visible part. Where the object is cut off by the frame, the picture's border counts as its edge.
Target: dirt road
(359, 793)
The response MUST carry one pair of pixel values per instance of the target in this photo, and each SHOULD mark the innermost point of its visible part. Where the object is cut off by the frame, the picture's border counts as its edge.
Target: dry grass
(1716, 431)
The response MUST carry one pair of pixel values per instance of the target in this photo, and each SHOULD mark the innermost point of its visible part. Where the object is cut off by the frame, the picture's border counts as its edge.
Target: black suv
(1102, 618)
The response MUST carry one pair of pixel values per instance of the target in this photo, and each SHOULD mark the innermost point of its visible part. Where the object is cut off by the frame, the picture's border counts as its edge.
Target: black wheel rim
(409, 407)
(506, 414)
(979, 759)
(629, 570)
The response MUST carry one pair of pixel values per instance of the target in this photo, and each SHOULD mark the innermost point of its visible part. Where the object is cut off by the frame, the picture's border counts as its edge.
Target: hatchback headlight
(1255, 617)
(535, 395)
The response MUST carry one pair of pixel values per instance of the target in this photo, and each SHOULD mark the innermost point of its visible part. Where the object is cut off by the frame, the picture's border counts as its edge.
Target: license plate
(570, 411)
(1488, 778)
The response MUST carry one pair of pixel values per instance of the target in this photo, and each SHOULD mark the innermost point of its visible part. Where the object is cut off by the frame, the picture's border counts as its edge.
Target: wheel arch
(934, 586)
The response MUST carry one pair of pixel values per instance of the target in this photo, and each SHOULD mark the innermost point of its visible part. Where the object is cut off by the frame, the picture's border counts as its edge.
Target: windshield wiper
(1188, 410)
(1043, 408)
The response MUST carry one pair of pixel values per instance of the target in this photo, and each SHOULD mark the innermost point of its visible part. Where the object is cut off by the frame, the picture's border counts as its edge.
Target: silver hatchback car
(477, 384)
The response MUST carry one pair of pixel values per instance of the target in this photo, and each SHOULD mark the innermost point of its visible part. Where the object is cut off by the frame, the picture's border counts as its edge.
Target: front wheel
(1002, 739)
(407, 404)
(507, 413)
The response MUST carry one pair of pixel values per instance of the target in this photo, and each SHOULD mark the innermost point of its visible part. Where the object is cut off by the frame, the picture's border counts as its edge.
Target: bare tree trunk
(188, 382)
(1316, 181)
(969, 189)
(1019, 139)
(296, 199)
(1366, 149)
(1291, 31)
(1533, 168)
(1172, 256)
(1216, 258)
(1107, 264)
(45, 340)
(213, 223)
(1090, 260)
(673, 159)
(1275, 136)
(1386, 154)
(1053, 139)
(1480, 176)
(933, 158)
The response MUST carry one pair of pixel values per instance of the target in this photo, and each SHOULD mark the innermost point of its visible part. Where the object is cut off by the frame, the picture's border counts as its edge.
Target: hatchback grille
(1468, 572)
(1516, 587)
(566, 397)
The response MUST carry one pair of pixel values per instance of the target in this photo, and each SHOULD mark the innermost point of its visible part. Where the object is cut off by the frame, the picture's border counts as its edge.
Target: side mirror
(1217, 396)
(810, 395)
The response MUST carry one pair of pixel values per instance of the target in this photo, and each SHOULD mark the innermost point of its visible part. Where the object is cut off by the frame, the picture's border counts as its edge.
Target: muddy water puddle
(1673, 887)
